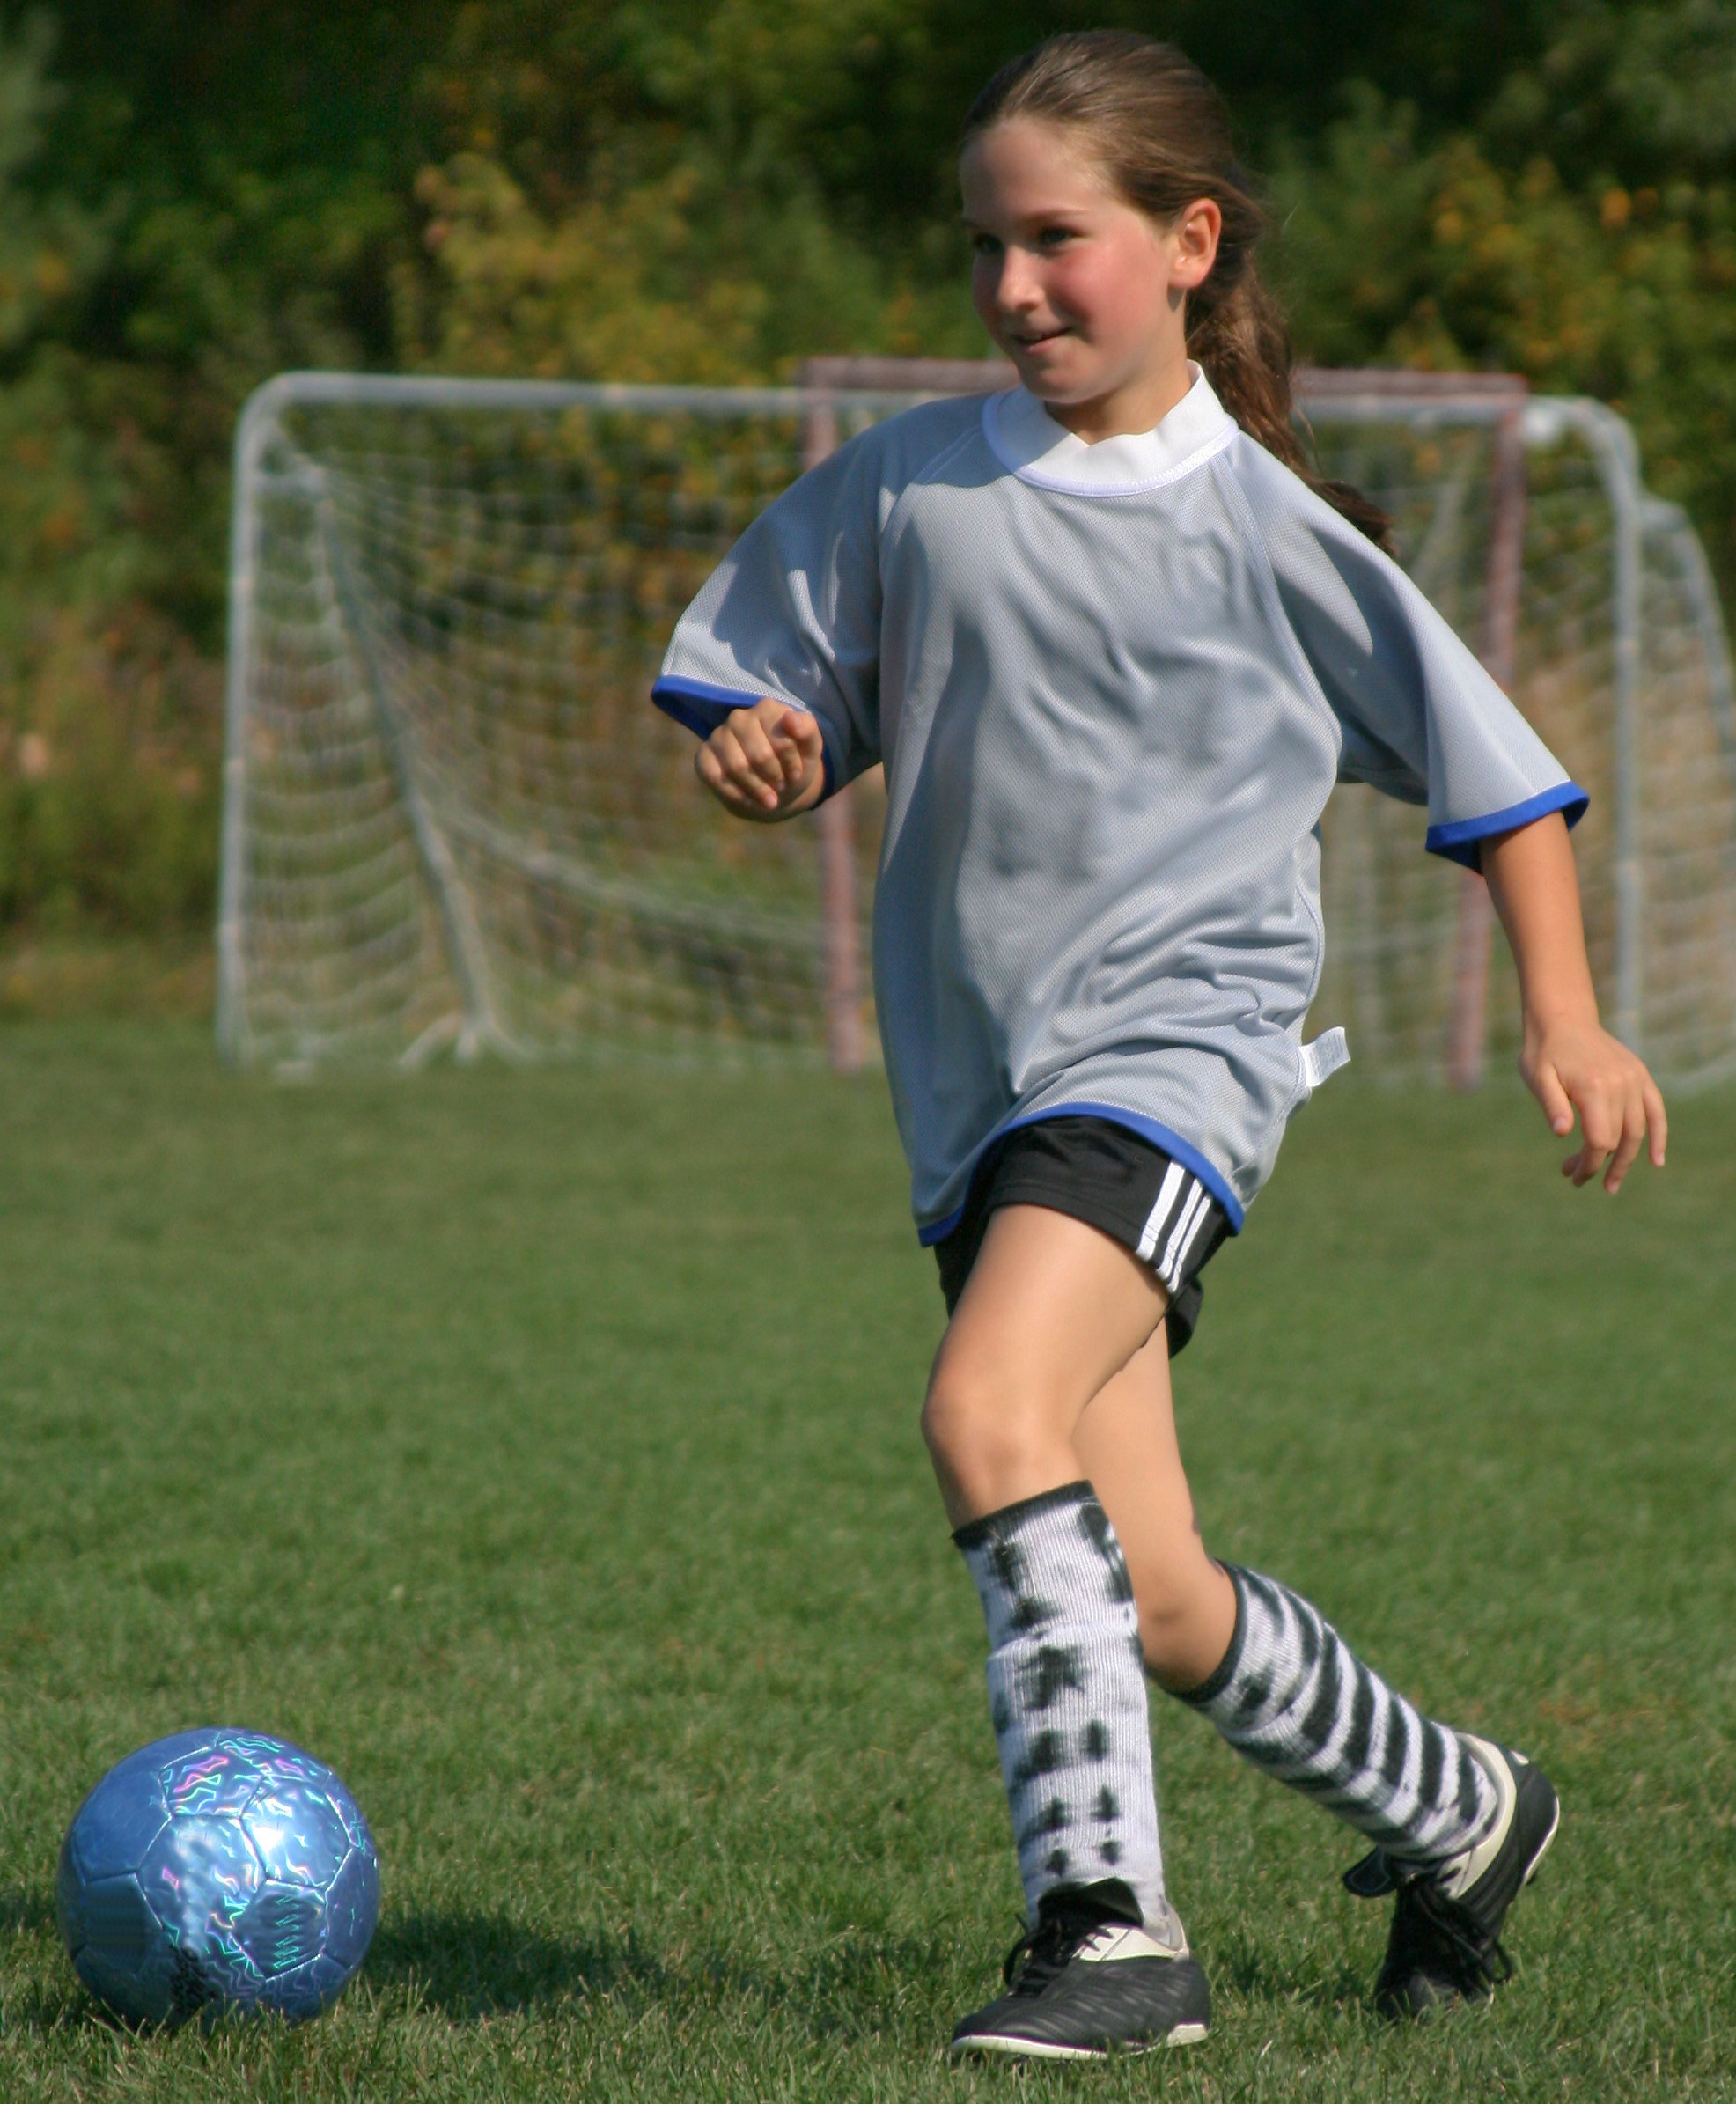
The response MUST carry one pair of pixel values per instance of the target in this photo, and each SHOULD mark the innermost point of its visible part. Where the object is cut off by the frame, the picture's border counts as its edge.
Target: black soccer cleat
(1444, 1947)
(1082, 1987)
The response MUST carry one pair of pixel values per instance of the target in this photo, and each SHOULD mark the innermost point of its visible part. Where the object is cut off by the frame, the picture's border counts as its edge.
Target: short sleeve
(793, 612)
(1421, 719)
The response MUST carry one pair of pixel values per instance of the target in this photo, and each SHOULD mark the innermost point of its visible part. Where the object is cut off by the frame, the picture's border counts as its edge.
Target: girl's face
(1084, 293)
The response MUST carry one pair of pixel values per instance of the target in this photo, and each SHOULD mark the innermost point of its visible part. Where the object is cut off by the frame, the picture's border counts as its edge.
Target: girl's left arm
(1570, 1061)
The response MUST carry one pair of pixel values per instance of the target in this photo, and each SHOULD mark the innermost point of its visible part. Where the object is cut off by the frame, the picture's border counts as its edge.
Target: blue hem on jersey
(699, 706)
(1459, 842)
(1148, 1129)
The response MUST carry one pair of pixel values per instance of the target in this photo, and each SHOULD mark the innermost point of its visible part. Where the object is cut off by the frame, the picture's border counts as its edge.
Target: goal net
(453, 820)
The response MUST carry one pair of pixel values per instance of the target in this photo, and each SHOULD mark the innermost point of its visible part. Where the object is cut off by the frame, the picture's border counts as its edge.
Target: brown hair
(1161, 135)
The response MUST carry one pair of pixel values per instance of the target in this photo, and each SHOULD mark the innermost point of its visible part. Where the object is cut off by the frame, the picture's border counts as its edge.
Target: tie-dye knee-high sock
(1067, 1692)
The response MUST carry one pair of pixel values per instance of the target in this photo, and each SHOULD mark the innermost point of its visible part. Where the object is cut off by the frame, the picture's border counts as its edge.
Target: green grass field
(540, 1449)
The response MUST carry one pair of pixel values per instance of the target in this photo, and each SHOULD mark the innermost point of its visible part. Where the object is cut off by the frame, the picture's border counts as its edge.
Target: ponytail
(1162, 135)
(1237, 336)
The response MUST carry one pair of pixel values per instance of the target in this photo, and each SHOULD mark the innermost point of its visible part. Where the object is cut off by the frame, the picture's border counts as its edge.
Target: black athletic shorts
(1110, 1178)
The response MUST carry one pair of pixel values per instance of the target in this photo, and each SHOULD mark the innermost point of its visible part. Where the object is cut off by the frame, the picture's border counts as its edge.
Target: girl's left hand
(1577, 1066)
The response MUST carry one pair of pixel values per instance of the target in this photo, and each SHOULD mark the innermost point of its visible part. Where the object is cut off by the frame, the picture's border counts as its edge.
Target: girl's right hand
(764, 763)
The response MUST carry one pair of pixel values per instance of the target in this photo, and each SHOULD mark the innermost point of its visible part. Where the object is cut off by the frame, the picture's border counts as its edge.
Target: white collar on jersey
(1025, 438)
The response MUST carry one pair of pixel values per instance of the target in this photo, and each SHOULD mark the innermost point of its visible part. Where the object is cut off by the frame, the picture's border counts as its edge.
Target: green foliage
(107, 767)
(108, 797)
(662, 279)
(50, 248)
(433, 1427)
(1442, 255)
(197, 192)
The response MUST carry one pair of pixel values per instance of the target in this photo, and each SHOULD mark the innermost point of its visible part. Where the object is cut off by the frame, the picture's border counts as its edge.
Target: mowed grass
(542, 1450)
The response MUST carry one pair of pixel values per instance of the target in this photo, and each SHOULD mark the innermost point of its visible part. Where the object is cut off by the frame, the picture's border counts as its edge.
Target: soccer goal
(451, 820)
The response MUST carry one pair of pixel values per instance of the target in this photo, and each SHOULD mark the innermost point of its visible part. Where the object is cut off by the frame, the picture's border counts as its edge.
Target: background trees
(201, 192)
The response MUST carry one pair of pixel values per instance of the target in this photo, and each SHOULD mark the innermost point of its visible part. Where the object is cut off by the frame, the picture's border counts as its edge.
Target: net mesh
(1394, 917)
(454, 817)
(460, 811)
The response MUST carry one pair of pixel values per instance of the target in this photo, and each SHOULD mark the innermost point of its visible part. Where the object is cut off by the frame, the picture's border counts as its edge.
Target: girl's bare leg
(1054, 1310)
(1126, 1445)
(1055, 1368)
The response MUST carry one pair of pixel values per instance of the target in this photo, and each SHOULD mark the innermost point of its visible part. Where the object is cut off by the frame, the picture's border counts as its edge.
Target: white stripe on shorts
(1192, 1213)
(1200, 1217)
(1158, 1217)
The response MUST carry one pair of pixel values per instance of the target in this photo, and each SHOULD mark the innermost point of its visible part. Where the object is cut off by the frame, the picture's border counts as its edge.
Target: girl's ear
(1193, 236)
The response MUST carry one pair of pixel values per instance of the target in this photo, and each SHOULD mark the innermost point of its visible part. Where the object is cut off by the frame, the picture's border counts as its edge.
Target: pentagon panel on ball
(217, 1871)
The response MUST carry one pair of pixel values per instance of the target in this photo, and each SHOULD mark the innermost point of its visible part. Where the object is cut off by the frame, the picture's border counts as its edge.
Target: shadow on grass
(470, 1966)
(57, 2003)
(477, 1965)
(1254, 1975)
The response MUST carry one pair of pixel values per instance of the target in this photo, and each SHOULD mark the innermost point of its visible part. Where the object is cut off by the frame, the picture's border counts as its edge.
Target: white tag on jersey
(1328, 1053)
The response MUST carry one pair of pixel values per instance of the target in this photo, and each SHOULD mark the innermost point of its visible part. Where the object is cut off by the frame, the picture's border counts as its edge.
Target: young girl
(1114, 642)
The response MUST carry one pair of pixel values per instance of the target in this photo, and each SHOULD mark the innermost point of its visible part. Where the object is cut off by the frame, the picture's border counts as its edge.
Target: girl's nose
(1017, 292)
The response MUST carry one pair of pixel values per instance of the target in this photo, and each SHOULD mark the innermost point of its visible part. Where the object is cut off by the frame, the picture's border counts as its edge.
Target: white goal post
(452, 817)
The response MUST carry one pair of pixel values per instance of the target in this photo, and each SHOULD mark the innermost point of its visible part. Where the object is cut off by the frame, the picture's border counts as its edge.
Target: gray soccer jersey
(1113, 686)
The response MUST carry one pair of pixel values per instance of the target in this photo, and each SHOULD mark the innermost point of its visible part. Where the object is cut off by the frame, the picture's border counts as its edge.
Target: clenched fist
(764, 763)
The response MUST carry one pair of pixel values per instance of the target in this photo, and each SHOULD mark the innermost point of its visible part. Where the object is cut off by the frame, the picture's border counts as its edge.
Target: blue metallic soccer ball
(214, 1871)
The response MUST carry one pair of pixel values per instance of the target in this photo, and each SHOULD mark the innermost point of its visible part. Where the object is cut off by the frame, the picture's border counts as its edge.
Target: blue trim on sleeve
(1148, 1129)
(696, 702)
(699, 706)
(1459, 842)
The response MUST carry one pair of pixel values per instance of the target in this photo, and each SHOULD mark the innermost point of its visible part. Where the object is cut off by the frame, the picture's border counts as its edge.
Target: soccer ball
(218, 1870)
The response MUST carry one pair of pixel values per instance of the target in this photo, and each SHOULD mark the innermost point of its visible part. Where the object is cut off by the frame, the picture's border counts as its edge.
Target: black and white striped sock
(1292, 1697)
(1067, 1692)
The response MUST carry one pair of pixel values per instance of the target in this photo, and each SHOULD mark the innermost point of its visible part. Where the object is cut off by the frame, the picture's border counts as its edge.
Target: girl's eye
(1055, 237)
(984, 244)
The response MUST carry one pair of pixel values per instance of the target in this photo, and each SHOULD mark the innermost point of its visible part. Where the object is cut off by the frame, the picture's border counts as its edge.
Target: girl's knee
(978, 1420)
(1165, 1626)
(1186, 1618)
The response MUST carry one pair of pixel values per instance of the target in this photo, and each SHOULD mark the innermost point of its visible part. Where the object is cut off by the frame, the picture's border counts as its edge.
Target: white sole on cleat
(1036, 2048)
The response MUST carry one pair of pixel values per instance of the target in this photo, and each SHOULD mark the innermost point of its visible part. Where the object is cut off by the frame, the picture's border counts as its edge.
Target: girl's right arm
(764, 763)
